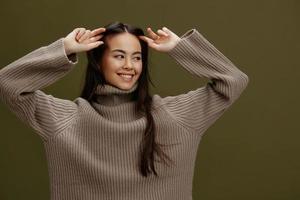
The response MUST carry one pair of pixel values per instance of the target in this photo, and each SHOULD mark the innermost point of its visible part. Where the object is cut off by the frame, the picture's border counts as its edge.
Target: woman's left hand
(164, 41)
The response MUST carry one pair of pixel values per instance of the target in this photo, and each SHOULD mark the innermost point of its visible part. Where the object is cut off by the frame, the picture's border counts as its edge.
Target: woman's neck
(111, 95)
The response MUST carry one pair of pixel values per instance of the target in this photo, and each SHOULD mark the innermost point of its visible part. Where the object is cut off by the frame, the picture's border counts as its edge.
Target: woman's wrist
(66, 47)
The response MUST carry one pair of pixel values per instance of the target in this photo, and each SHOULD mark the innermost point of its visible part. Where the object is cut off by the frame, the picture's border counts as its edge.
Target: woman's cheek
(140, 68)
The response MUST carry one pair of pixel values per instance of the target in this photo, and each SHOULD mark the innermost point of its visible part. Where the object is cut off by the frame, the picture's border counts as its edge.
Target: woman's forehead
(124, 41)
(124, 51)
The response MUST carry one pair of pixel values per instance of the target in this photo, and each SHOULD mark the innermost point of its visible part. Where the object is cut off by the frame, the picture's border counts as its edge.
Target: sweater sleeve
(198, 109)
(21, 81)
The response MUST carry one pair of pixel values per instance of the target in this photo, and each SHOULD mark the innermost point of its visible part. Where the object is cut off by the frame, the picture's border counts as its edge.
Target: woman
(116, 141)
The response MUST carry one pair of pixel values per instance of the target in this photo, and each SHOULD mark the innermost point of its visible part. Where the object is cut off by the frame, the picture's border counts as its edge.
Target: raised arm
(199, 109)
(21, 81)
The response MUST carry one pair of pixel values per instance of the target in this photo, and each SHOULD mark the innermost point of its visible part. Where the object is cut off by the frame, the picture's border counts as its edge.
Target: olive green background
(251, 152)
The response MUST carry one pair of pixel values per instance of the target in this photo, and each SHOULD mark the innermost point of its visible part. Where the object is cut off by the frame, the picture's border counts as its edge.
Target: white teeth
(126, 77)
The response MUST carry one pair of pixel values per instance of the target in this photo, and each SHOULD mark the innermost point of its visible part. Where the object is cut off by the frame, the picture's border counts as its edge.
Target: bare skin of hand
(81, 39)
(163, 41)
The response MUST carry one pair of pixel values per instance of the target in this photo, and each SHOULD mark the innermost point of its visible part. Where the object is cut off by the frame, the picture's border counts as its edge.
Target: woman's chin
(125, 86)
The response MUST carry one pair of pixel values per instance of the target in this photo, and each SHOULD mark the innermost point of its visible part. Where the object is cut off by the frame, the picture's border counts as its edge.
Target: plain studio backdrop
(251, 152)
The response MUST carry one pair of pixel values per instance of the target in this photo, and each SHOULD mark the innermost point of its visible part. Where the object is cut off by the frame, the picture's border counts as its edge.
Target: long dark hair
(94, 76)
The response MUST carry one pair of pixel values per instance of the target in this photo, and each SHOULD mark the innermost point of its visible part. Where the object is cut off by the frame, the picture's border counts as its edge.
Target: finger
(168, 31)
(85, 35)
(146, 39)
(96, 38)
(149, 41)
(98, 43)
(80, 33)
(93, 45)
(153, 35)
(98, 31)
(162, 33)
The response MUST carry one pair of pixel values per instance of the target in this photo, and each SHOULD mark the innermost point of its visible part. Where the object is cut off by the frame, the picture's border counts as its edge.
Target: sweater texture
(92, 149)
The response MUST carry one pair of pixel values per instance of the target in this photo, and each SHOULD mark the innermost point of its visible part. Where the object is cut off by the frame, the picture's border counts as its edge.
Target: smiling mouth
(126, 77)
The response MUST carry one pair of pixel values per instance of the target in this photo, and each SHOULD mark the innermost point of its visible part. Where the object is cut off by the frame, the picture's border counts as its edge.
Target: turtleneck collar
(110, 95)
(116, 104)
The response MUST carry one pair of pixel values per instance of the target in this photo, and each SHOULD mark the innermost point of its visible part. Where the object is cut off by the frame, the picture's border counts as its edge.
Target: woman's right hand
(80, 40)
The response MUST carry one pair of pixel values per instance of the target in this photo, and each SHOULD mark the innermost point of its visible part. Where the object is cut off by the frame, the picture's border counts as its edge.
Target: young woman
(116, 141)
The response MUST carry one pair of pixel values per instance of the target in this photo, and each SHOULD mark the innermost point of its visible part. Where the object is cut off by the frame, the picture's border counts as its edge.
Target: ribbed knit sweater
(92, 149)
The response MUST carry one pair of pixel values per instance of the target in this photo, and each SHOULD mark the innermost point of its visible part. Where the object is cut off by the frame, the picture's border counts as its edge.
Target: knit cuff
(56, 51)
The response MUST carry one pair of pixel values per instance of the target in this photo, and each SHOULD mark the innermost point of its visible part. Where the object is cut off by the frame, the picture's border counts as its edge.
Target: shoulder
(188, 96)
(157, 101)
(81, 102)
(162, 102)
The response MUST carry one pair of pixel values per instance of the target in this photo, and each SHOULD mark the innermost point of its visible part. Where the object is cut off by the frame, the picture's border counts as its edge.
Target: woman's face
(122, 60)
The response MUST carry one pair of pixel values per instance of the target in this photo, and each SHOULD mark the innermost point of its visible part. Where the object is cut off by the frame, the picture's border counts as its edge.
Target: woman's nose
(128, 64)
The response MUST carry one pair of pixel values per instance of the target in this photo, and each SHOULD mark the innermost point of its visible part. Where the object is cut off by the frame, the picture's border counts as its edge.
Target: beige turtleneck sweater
(92, 149)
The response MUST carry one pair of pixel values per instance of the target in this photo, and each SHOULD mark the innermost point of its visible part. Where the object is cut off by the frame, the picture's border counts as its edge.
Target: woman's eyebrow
(120, 50)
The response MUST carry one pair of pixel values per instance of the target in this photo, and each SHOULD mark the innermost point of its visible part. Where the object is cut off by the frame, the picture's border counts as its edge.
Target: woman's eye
(117, 56)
